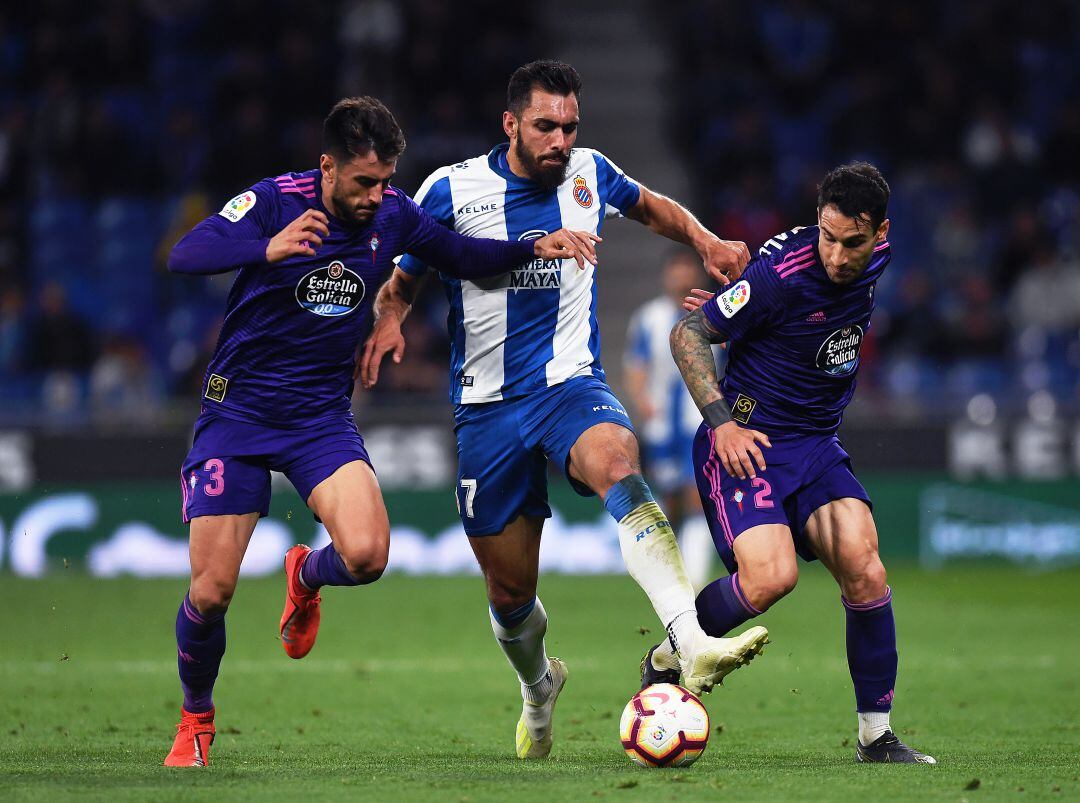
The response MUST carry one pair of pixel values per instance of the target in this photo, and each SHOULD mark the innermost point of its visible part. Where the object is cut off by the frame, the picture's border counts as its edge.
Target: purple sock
(722, 606)
(324, 567)
(200, 644)
(871, 652)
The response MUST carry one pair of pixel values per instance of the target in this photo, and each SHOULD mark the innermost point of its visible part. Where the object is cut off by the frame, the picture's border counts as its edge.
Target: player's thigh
(734, 507)
(844, 537)
(350, 504)
(768, 565)
(602, 455)
(499, 477)
(510, 561)
(216, 545)
(585, 430)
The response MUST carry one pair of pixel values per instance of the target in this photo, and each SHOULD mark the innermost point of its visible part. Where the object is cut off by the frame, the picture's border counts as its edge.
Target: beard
(547, 175)
(346, 210)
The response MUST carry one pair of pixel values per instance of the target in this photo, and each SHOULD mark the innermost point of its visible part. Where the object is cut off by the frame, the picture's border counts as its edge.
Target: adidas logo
(817, 317)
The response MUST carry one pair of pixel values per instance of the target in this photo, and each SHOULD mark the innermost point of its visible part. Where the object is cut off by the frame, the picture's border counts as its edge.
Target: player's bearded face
(541, 138)
(847, 244)
(356, 187)
(546, 167)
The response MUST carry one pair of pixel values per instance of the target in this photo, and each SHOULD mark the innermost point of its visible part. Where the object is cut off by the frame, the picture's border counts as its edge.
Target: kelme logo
(331, 292)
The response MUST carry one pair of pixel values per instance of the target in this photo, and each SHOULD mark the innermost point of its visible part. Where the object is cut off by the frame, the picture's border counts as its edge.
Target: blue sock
(513, 618)
(871, 651)
(722, 606)
(626, 495)
(324, 567)
(200, 644)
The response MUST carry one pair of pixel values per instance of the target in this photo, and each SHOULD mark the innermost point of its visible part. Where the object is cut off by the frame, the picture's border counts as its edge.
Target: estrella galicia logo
(331, 292)
(839, 354)
(539, 274)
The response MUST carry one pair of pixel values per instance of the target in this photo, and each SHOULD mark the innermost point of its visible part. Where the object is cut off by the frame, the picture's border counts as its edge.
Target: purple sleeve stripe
(794, 256)
(790, 268)
(873, 605)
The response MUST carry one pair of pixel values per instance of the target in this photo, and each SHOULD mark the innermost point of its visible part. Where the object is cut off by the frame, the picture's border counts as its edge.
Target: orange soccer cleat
(194, 735)
(300, 620)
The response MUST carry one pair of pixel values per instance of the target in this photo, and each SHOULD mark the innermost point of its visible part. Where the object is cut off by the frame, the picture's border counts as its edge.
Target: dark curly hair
(357, 126)
(858, 190)
(548, 75)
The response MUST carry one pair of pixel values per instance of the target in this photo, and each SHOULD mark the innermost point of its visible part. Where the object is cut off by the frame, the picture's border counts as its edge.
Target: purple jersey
(286, 349)
(795, 336)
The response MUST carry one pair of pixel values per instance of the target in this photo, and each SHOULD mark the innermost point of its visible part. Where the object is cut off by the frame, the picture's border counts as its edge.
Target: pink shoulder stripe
(881, 247)
(796, 269)
(389, 191)
(795, 264)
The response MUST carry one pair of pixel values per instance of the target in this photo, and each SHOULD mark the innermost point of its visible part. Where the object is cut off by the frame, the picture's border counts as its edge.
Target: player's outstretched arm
(691, 347)
(725, 260)
(392, 304)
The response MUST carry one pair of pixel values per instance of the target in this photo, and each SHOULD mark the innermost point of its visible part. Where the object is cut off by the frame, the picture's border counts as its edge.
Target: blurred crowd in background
(124, 123)
(970, 110)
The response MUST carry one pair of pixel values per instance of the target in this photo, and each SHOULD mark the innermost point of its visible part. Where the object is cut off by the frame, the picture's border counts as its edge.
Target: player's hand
(737, 448)
(565, 244)
(725, 260)
(696, 299)
(299, 238)
(385, 337)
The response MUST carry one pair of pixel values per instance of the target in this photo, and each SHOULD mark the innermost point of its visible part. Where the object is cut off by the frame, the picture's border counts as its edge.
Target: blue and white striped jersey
(534, 327)
(677, 417)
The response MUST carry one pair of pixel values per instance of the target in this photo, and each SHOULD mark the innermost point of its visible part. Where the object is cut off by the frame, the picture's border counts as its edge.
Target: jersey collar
(497, 161)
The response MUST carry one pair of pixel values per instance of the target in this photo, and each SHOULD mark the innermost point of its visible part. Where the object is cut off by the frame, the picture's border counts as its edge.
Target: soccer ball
(664, 725)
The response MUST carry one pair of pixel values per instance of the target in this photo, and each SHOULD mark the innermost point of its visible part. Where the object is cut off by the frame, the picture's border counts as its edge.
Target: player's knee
(506, 597)
(768, 584)
(866, 582)
(365, 561)
(210, 595)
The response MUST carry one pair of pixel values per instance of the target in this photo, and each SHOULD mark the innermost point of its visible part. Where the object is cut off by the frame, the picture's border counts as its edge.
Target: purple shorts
(228, 468)
(803, 473)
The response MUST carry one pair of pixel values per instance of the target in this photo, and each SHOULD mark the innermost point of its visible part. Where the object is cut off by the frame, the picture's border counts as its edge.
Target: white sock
(523, 646)
(696, 544)
(664, 657)
(652, 558)
(872, 724)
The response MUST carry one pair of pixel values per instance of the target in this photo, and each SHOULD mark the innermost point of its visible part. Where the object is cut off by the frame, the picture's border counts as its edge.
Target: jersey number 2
(761, 498)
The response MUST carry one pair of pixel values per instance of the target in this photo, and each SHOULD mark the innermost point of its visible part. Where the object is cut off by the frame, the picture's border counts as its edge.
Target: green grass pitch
(406, 695)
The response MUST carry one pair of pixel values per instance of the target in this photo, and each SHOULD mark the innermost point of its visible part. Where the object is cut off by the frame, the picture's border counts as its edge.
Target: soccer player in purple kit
(306, 247)
(773, 477)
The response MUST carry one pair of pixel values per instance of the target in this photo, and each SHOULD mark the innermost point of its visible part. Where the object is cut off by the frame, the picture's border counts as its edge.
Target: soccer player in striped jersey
(305, 247)
(666, 412)
(527, 384)
(773, 477)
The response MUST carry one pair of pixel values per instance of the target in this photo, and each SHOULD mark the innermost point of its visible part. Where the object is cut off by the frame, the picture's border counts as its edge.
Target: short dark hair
(858, 190)
(357, 126)
(546, 74)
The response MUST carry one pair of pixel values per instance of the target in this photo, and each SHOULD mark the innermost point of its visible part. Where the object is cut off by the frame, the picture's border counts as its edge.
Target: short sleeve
(620, 192)
(755, 300)
(434, 198)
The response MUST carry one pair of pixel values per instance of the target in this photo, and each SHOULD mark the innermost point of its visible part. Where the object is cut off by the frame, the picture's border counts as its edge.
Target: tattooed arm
(692, 339)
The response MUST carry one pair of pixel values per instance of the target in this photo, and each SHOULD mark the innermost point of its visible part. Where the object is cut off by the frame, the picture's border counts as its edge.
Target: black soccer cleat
(650, 674)
(888, 749)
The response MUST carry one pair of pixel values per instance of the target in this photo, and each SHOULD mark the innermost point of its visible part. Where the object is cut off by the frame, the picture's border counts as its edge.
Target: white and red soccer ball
(664, 726)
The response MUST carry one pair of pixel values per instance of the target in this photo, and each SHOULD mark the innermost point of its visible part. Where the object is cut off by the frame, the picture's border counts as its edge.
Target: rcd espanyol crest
(582, 193)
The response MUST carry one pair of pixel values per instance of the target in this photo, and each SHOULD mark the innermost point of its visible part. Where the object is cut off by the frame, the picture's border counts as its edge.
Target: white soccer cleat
(534, 727)
(710, 660)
